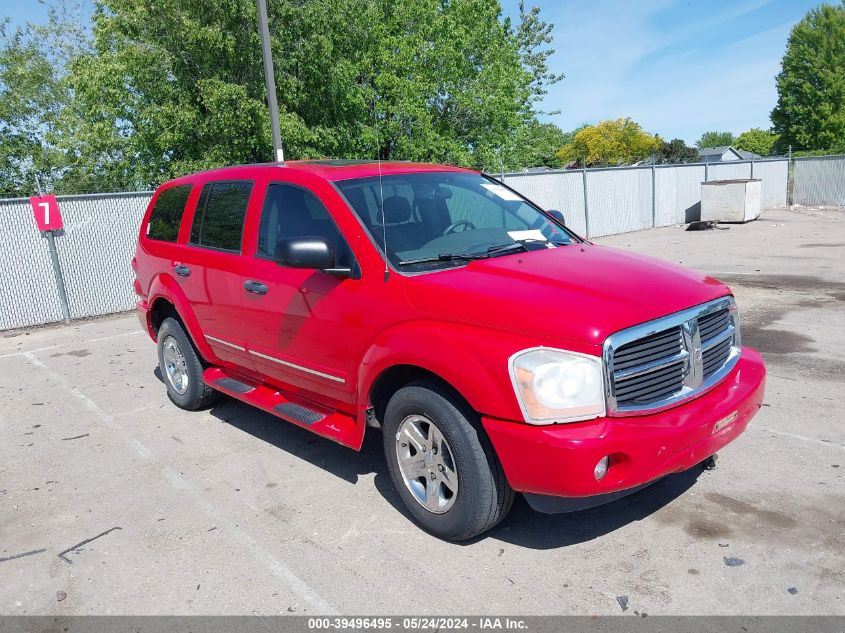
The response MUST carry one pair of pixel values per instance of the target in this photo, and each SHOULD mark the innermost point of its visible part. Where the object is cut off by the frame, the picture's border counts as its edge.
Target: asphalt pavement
(113, 501)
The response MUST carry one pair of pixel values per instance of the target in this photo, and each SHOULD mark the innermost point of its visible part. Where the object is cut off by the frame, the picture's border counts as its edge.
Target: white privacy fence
(96, 248)
(625, 199)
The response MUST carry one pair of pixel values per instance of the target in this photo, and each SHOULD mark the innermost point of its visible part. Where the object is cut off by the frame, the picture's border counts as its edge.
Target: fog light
(601, 468)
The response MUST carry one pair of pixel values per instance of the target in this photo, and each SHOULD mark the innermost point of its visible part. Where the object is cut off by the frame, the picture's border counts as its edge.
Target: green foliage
(818, 152)
(568, 136)
(613, 143)
(810, 112)
(715, 139)
(533, 36)
(536, 145)
(167, 87)
(675, 151)
(756, 140)
(34, 94)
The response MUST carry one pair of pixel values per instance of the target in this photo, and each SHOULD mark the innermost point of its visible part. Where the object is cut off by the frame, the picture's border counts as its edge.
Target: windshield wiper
(444, 257)
(501, 249)
(493, 251)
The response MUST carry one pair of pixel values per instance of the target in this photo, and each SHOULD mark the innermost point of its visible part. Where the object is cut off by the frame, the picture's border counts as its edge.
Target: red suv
(497, 350)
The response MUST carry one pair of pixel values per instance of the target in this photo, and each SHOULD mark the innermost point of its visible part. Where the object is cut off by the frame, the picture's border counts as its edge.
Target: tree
(568, 136)
(165, 87)
(533, 36)
(756, 140)
(675, 151)
(810, 111)
(617, 142)
(177, 85)
(34, 98)
(715, 139)
(536, 145)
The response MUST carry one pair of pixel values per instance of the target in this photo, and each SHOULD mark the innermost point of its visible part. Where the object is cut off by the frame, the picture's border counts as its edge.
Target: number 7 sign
(46, 210)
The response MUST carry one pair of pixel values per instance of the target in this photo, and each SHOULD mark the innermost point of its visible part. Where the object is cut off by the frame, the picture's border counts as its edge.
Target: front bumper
(558, 460)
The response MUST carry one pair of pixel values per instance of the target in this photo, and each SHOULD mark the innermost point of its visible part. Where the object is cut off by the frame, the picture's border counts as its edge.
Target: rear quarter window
(219, 218)
(166, 215)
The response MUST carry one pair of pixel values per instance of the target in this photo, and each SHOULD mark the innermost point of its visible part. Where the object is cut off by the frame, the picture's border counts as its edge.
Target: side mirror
(557, 215)
(311, 253)
(304, 252)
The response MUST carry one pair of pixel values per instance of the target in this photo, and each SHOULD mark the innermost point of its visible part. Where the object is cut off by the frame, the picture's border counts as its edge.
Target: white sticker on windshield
(502, 192)
(530, 234)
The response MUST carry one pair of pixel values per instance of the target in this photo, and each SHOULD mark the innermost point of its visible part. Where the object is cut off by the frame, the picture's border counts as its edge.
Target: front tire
(181, 368)
(442, 464)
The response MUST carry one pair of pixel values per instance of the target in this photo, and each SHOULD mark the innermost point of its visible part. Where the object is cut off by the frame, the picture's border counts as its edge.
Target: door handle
(255, 287)
(182, 270)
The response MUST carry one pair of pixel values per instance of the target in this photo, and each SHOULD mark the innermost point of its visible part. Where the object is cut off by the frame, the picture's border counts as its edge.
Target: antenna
(381, 194)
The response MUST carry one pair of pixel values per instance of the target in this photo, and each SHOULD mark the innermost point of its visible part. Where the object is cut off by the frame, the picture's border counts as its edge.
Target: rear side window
(219, 218)
(166, 215)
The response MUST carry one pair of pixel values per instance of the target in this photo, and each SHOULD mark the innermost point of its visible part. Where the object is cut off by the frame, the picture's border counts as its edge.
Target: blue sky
(678, 67)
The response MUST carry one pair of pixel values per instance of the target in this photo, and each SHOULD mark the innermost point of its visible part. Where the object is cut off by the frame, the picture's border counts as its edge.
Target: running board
(330, 424)
(297, 412)
(233, 385)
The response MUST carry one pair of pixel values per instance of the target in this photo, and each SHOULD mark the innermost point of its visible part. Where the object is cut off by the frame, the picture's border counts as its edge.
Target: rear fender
(165, 287)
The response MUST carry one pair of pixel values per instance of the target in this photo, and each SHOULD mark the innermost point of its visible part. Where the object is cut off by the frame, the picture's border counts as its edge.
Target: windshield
(436, 220)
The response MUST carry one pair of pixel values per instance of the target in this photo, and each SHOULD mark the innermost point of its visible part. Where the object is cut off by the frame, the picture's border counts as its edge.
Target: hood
(580, 292)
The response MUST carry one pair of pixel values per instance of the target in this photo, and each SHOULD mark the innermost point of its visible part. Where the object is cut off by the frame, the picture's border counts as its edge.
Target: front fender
(472, 360)
(163, 286)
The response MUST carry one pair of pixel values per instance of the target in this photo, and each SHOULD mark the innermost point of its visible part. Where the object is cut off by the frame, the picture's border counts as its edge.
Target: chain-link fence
(98, 242)
(819, 180)
(95, 254)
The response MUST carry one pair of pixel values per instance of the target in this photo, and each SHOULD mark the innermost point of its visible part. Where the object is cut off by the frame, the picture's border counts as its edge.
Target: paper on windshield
(529, 234)
(501, 192)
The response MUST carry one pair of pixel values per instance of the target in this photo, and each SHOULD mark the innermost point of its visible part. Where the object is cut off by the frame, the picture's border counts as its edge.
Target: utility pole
(269, 77)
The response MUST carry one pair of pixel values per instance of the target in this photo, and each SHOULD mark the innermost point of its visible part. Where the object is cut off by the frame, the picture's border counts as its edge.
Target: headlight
(557, 386)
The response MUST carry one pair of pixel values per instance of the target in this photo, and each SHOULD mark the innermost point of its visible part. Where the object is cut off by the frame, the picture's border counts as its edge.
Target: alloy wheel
(175, 365)
(427, 463)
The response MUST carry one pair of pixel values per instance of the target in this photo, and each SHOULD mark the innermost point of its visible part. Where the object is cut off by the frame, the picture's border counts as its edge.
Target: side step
(331, 424)
(297, 412)
(233, 385)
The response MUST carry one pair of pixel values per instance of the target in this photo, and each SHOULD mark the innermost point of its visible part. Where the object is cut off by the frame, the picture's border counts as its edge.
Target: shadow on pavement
(523, 526)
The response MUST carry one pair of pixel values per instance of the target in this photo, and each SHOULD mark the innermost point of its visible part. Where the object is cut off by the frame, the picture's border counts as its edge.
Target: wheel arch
(168, 300)
(395, 377)
(160, 309)
(457, 357)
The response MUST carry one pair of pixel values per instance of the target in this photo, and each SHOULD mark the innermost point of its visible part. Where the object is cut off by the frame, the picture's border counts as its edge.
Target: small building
(723, 154)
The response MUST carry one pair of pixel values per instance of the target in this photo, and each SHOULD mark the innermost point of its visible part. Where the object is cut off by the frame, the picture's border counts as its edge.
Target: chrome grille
(663, 362)
(648, 349)
(649, 369)
(711, 325)
(715, 330)
(715, 357)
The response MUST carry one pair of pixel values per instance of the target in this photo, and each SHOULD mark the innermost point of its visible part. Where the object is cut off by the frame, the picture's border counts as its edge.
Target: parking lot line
(795, 436)
(85, 342)
(182, 483)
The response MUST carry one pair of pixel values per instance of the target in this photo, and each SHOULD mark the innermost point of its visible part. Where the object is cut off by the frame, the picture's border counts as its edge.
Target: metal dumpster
(731, 200)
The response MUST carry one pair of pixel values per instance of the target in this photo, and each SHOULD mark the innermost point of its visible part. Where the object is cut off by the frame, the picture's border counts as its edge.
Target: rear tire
(181, 368)
(442, 463)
